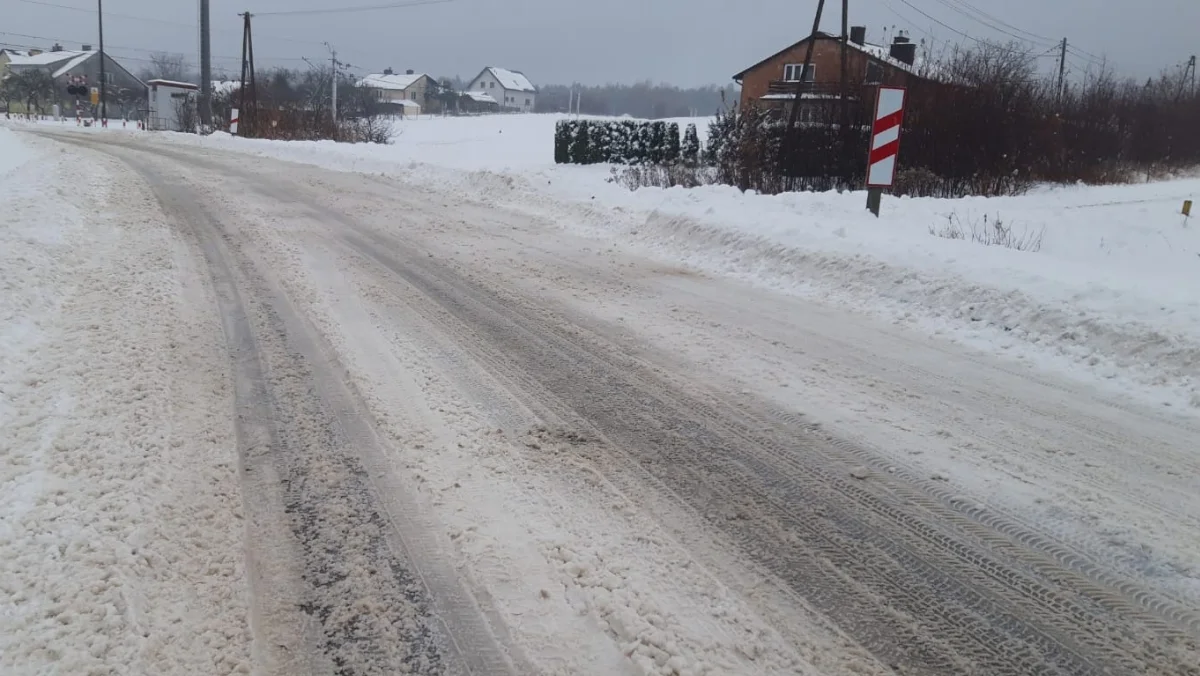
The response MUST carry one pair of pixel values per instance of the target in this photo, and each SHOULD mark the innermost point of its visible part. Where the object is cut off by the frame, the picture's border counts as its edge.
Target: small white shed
(172, 105)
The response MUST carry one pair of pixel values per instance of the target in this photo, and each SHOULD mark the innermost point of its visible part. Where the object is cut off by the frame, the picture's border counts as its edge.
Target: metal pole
(205, 68)
(844, 90)
(103, 86)
(243, 112)
(335, 74)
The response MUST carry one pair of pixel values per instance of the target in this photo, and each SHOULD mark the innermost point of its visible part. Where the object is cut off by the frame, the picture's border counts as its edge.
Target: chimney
(904, 50)
(56, 48)
(388, 71)
(858, 35)
(409, 71)
(87, 48)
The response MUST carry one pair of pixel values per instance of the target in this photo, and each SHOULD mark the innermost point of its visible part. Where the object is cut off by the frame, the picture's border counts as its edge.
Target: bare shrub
(187, 114)
(990, 233)
(663, 176)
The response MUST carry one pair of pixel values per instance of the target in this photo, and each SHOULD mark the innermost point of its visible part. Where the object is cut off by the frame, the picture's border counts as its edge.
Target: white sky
(684, 42)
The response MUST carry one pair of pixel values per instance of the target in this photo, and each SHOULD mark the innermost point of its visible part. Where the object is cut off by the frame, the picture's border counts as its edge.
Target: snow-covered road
(468, 442)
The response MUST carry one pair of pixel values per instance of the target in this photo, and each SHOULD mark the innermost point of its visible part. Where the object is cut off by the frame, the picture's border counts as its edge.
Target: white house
(405, 94)
(511, 89)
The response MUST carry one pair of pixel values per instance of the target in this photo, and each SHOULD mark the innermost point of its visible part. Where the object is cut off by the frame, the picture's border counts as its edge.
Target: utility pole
(812, 41)
(103, 85)
(205, 68)
(248, 112)
(334, 62)
(845, 94)
(1062, 69)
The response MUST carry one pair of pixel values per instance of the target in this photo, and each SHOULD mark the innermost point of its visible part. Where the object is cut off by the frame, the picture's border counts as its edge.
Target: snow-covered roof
(481, 97)
(804, 97)
(512, 80)
(173, 83)
(75, 61)
(44, 59)
(396, 81)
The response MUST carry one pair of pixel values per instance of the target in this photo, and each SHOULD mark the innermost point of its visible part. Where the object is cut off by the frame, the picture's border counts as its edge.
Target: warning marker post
(885, 144)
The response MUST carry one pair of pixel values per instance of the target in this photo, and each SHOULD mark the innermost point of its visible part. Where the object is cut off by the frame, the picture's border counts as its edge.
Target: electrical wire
(359, 8)
(978, 15)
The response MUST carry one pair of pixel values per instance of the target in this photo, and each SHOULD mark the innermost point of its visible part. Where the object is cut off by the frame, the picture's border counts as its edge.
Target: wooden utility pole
(248, 112)
(1062, 69)
(800, 84)
(791, 141)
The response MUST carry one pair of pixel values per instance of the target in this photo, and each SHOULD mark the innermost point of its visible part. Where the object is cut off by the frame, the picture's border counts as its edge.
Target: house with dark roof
(772, 82)
(125, 93)
(511, 89)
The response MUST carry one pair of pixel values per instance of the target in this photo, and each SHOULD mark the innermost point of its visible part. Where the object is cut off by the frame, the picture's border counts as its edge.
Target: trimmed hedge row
(622, 142)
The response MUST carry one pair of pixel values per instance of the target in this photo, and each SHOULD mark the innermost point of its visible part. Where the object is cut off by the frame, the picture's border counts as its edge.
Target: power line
(974, 13)
(133, 49)
(360, 8)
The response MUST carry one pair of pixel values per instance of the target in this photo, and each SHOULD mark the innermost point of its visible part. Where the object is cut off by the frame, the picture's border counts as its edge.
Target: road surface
(470, 443)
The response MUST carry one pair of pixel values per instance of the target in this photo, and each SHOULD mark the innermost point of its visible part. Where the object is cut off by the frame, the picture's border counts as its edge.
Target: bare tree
(33, 86)
(167, 66)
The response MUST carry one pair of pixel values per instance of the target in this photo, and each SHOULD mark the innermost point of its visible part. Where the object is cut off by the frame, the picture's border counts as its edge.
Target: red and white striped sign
(885, 137)
(233, 121)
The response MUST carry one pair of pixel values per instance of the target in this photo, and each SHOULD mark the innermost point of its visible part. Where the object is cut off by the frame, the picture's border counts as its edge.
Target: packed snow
(120, 541)
(1108, 298)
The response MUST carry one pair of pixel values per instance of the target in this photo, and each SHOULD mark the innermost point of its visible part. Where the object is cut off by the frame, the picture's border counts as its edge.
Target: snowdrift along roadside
(1108, 298)
(120, 541)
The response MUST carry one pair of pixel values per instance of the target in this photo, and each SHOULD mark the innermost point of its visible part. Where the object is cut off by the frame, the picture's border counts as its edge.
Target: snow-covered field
(1109, 298)
(120, 538)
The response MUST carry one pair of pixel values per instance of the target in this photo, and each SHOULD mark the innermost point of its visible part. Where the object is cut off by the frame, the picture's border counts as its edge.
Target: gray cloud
(685, 42)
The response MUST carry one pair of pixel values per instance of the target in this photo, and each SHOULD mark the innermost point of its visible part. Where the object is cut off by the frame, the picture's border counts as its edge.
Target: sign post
(885, 144)
(233, 121)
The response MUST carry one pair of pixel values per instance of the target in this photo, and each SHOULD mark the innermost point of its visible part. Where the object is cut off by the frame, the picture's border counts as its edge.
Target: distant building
(125, 93)
(510, 88)
(409, 93)
(772, 81)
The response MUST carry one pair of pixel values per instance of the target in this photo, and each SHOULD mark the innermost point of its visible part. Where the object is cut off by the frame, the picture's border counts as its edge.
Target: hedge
(616, 142)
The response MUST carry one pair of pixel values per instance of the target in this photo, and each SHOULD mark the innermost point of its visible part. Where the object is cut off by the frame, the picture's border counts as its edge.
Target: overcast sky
(685, 42)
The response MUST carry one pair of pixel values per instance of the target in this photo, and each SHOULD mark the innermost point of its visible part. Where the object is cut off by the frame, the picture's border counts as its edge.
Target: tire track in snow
(344, 582)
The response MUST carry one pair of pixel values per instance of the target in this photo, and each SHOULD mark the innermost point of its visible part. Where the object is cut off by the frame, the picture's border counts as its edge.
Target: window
(108, 78)
(412, 96)
(526, 101)
(483, 85)
(791, 72)
(493, 84)
(874, 73)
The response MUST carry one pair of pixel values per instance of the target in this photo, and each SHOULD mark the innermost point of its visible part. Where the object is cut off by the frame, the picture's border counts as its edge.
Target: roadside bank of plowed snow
(1107, 299)
(120, 541)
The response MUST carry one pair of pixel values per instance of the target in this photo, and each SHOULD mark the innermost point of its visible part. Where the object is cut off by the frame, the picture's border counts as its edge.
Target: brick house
(772, 81)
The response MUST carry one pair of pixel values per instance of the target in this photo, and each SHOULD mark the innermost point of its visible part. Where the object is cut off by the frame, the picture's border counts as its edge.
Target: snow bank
(1108, 297)
(120, 542)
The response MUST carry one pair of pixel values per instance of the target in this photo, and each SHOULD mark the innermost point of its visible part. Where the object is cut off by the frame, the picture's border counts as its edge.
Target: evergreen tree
(562, 142)
(580, 143)
(691, 145)
(671, 155)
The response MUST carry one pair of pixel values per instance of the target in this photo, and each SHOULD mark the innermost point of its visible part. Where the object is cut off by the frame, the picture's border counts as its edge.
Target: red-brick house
(772, 81)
